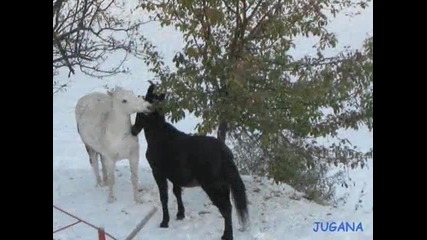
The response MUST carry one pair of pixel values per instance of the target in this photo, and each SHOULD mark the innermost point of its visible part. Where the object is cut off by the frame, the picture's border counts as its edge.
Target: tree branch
(63, 53)
(255, 10)
(85, 31)
(228, 7)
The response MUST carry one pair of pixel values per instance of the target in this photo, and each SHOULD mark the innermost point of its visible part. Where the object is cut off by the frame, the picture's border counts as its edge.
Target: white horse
(104, 126)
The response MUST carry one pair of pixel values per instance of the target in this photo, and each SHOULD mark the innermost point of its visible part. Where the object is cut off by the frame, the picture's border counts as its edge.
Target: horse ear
(150, 90)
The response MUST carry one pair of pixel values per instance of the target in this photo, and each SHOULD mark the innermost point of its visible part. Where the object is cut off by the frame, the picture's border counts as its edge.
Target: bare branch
(229, 7)
(63, 53)
(85, 32)
(255, 10)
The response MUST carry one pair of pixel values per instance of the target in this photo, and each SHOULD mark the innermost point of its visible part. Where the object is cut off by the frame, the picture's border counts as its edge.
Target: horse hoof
(180, 216)
(226, 237)
(164, 225)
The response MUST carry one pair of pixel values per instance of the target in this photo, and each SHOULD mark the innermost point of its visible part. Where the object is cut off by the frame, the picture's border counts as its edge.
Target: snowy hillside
(276, 211)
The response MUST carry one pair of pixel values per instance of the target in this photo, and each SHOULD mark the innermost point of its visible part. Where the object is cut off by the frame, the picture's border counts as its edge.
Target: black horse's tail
(238, 189)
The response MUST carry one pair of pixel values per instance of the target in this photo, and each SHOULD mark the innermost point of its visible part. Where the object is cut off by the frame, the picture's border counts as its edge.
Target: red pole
(101, 234)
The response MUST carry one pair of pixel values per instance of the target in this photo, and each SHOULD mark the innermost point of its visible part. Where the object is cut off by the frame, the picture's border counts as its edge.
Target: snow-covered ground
(276, 211)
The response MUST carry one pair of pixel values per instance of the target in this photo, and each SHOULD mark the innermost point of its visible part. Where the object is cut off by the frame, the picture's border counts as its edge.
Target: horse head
(127, 102)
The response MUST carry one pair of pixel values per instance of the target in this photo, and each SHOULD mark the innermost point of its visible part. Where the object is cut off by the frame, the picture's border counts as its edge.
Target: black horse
(189, 161)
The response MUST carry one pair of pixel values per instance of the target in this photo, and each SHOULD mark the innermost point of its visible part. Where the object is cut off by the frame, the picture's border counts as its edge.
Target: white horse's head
(127, 102)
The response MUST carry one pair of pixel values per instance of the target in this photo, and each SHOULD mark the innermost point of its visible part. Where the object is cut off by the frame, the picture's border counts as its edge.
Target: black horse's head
(153, 98)
(155, 116)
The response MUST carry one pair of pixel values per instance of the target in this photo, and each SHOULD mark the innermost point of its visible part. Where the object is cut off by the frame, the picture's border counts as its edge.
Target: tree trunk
(222, 131)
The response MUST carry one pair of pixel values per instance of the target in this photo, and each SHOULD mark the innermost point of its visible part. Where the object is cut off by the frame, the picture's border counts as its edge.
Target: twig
(141, 224)
(63, 53)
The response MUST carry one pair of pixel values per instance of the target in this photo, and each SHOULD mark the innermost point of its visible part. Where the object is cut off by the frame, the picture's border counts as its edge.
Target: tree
(86, 32)
(236, 73)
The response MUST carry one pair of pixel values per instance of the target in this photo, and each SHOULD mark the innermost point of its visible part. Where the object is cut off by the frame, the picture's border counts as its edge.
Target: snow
(276, 211)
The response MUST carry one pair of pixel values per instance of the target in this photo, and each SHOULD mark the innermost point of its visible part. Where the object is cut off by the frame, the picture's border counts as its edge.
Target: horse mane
(116, 89)
(171, 130)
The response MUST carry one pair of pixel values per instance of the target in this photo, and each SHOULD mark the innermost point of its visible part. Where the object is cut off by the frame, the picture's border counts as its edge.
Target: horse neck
(160, 132)
(153, 133)
(118, 120)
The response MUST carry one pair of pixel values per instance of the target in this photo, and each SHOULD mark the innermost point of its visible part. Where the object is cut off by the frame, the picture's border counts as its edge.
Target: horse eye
(124, 101)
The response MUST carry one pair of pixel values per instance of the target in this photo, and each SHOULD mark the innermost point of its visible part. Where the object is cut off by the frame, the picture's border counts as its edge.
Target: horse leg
(220, 197)
(178, 193)
(134, 162)
(104, 171)
(110, 165)
(93, 159)
(162, 184)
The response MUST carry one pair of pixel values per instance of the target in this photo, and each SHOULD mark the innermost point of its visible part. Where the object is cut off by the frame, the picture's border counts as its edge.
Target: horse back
(92, 106)
(188, 160)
